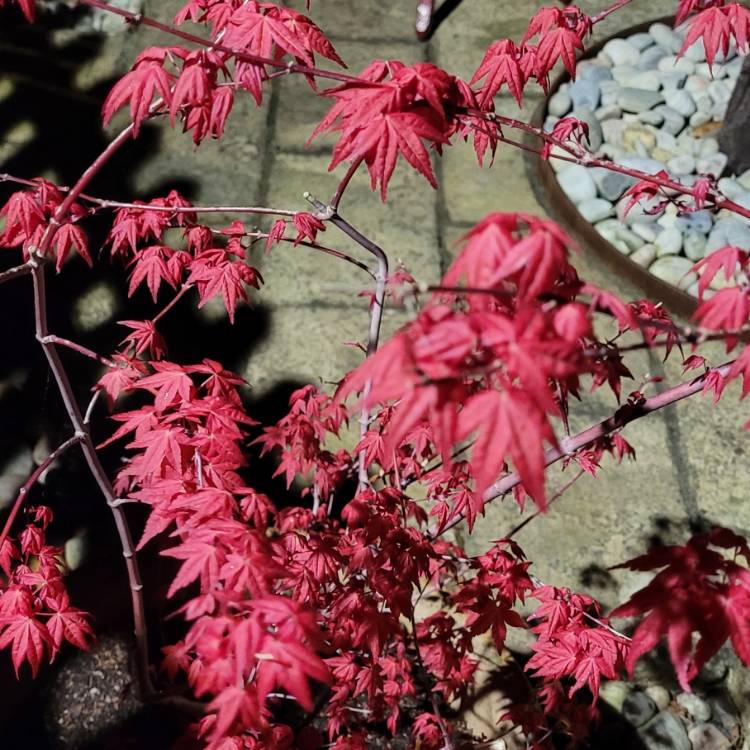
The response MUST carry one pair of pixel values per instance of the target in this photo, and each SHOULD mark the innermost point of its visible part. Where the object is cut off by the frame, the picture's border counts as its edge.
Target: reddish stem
(588, 160)
(14, 273)
(52, 339)
(185, 288)
(623, 417)
(342, 186)
(608, 11)
(376, 310)
(139, 19)
(32, 480)
(191, 209)
(97, 470)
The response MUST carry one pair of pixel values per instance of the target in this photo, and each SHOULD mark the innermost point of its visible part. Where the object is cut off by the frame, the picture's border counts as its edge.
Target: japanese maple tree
(317, 603)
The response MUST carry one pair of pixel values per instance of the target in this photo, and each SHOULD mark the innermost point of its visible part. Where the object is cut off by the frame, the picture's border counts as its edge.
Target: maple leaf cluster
(716, 24)
(213, 262)
(700, 588)
(28, 214)
(36, 616)
(199, 86)
(496, 365)
(319, 600)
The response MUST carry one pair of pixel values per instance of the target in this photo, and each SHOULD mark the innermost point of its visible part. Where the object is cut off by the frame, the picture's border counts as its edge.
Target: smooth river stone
(638, 100)
(694, 245)
(669, 242)
(577, 183)
(644, 256)
(650, 57)
(681, 102)
(621, 52)
(596, 209)
(674, 122)
(675, 270)
(559, 104)
(665, 37)
(641, 41)
(585, 93)
(672, 62)
(612, 185)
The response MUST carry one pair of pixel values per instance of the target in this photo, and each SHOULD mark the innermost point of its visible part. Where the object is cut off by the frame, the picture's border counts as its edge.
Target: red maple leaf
(306, 224)
(730, 259)
(727, 310)
(147, 80)
(225, 277)
(389, 113)
(68, 624)
(739, 22)
(698, 590)
(507, 424)
(144, 338)
(500, 66)
(28, 638)
(713, 26)
(68, 236)
(201, 559)
(646, 190)
(151, 265)
(561, 43)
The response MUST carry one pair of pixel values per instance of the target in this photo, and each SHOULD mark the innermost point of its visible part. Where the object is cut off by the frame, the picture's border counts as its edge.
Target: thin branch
(14, 273)
(608, 11)
(342, 186)
(623, 417)
(183, 290)
(33, 479)
(105, 203)
(97, 470)
(332, 252)
(82, 350)
(138, 19)
(586, 159)
(552, 500)
(376, 309)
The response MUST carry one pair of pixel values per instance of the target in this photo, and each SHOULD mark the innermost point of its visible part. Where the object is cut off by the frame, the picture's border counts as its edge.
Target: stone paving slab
(405, 227)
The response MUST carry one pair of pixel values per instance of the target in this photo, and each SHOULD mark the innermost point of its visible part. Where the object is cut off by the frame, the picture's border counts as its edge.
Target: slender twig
(332, 252)
(92, 405)
(73, 410)
(376, 309)
(14, 273)
(32, 480)
(183, 290)
(339, 194)
(550, 502)
(97, 470)
(82, 350)
(105, 203)
(608, 11)
(623, 417)
(139, 19)
(586, 159)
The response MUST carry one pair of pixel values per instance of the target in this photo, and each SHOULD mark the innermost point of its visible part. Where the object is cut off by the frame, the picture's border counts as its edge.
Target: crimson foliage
(320, 603)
